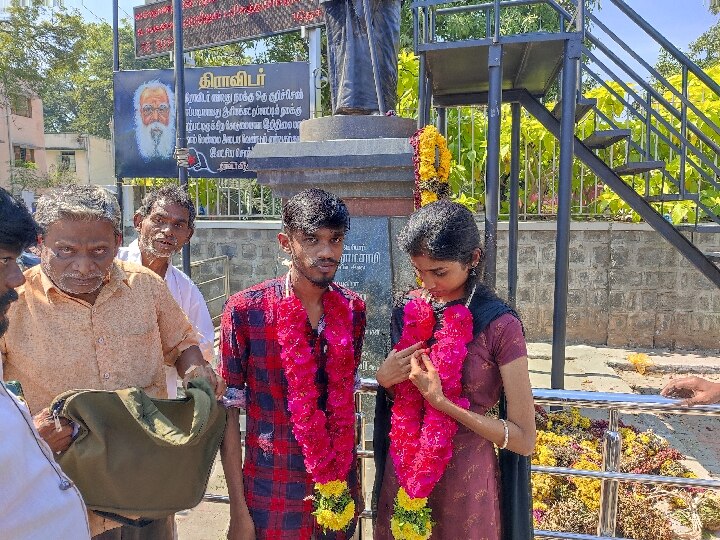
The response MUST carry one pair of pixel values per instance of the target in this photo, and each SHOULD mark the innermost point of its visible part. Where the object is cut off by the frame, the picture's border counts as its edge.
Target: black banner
(207, 23)
(228, 110)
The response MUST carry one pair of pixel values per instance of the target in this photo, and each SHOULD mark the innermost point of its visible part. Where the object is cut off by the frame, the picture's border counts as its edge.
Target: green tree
(34, 42)
(81, 99)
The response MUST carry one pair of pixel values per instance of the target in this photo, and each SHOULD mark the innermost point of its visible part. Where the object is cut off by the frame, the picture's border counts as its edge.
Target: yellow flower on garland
(334, 507)
(405, 531)
(411, 517)
(426, 197)
(432, 159)
(333, 521)
(409, 503)
(331, 489)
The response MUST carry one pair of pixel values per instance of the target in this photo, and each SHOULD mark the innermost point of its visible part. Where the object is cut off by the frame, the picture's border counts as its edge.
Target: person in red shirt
(271, 492)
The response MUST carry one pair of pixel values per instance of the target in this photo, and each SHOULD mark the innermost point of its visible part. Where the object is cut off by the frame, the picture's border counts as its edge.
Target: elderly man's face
(10, 278)
(155, 106)
(77, 255)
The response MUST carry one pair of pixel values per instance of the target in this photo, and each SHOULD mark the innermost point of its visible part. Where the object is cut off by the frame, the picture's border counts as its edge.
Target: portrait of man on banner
(145, 127)
(154, 120)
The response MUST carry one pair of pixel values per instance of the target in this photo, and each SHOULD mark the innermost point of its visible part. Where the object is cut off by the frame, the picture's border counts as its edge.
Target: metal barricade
(610, 475)
(224, 278)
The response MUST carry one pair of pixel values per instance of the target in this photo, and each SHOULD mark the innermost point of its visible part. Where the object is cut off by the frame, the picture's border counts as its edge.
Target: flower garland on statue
(431, 183)
(421, 436)
(327, 438)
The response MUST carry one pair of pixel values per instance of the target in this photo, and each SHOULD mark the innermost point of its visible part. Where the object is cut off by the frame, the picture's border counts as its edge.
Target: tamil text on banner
(228, 110)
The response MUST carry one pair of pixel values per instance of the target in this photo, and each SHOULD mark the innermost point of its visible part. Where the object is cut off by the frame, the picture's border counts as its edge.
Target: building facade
(22, 141)
(88, 158)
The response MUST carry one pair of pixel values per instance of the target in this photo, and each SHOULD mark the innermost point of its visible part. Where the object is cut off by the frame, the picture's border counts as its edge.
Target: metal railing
(207, 282)
(610, 475)
(233, 199)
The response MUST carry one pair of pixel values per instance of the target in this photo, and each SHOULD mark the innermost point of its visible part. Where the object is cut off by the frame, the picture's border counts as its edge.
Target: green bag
(141, 458)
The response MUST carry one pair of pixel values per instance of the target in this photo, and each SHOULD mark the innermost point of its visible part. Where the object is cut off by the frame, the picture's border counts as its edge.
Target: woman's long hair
(445, 231)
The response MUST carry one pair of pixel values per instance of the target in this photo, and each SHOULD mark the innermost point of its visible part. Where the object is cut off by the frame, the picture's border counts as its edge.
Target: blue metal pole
(562, 241)
(116, 68)
(181, 134)
(514, 211)
(492, 179)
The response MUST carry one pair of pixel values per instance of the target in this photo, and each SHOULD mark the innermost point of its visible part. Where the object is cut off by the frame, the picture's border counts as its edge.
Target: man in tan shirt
(85, 320)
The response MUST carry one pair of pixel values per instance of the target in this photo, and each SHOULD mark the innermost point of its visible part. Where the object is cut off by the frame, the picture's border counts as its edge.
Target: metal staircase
(673, 157)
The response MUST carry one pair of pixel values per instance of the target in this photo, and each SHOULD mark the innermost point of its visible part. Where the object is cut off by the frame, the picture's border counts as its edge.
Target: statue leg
(352, 85)
(386, 25)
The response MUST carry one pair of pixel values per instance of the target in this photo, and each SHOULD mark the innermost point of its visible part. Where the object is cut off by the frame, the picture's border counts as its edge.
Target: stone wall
(627, 286)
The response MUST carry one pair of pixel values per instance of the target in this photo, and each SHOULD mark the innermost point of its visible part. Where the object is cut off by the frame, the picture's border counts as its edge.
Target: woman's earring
(473, 271)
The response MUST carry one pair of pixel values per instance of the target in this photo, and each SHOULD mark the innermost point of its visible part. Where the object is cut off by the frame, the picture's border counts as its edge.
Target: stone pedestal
(366, 161)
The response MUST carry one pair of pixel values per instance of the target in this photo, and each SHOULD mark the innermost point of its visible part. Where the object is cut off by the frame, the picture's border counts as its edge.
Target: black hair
(18, 229)
(173, 194)
(442, 230)
(313, 209)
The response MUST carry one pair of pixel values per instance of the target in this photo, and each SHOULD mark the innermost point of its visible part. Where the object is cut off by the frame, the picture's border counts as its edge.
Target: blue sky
(681, 21)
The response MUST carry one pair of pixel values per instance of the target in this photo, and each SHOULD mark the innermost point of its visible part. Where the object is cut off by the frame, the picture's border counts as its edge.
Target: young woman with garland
(456, 347)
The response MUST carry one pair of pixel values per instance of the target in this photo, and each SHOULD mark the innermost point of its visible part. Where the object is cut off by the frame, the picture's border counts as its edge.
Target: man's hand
(57, 440)
(396, 367)
(696, 390)
(241, 527)
(207, 372)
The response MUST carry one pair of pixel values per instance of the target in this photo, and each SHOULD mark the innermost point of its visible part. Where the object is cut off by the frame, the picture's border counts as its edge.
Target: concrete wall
(628, 286)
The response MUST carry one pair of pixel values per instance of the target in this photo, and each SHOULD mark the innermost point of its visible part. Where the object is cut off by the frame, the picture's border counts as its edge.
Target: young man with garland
(290, 348)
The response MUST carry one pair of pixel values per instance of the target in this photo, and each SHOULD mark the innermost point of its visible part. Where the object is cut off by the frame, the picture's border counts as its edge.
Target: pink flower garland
(421, 436)
(327, 437)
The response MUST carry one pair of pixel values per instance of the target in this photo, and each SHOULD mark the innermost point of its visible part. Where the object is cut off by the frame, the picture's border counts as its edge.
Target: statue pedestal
(366, 161)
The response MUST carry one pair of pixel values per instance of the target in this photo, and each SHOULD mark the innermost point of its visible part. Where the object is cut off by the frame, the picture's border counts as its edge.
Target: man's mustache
(8, 298)
(84, 277)
(322, 262)
(167, 239)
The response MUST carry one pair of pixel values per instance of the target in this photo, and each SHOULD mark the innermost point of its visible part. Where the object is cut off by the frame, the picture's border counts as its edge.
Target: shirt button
(106, 376)
(101, 340)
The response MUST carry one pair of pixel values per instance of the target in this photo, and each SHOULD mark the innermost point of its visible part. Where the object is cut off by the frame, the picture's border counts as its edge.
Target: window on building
(21, 106)
(67, 161)
(25, 154)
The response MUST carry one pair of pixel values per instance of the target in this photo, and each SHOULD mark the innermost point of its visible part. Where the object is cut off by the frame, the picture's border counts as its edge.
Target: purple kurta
(465, 502)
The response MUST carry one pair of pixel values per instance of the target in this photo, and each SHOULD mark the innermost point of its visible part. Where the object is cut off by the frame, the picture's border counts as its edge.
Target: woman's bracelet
(507, 435)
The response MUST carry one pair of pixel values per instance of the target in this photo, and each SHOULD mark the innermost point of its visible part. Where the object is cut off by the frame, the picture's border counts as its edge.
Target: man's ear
(118, 243)
(192, 231)
(284, 241)
(137, 222)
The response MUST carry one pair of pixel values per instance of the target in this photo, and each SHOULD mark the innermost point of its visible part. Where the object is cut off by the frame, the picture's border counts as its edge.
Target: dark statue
(353, 86)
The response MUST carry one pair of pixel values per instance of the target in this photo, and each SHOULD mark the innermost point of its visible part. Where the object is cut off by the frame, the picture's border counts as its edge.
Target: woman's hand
(396, 367)
(426, 378)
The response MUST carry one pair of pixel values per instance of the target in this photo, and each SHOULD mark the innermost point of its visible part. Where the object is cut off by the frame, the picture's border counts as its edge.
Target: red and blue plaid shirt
(277, 485)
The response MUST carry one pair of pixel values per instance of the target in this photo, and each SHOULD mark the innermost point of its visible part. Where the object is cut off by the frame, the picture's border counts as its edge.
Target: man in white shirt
(37, 500)
(165, 222)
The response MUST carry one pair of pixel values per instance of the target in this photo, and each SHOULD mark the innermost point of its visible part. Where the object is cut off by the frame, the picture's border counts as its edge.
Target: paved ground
(587, 368)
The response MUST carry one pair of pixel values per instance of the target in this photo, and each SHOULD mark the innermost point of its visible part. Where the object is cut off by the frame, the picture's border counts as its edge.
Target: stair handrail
(675, 182)
(682, 138)
(494, 5)
(651, 70)
(672, 49)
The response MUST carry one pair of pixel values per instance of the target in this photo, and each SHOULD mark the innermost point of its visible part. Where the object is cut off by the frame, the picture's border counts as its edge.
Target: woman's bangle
(507, 435)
